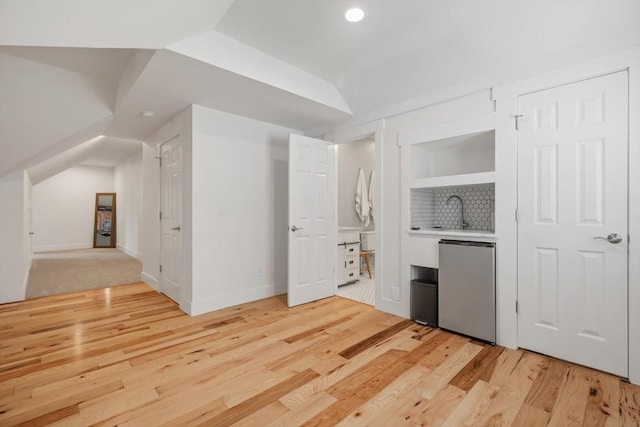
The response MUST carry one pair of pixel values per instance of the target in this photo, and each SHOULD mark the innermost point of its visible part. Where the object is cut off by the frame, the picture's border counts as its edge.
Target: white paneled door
(312, 220)
(171, 218)
(572, 222)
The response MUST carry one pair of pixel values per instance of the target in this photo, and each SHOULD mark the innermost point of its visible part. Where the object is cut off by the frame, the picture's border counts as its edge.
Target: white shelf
(454, 180)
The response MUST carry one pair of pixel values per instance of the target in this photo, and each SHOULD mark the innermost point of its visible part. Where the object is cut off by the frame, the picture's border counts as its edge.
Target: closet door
(572, 229)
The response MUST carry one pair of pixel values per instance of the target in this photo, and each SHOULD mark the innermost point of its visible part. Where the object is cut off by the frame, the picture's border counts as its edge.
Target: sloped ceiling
(73, 70)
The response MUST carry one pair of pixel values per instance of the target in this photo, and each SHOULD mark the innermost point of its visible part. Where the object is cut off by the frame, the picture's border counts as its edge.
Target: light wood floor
(128, 356)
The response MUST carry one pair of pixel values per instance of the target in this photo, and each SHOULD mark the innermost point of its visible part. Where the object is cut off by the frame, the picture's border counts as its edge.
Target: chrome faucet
(463, 223)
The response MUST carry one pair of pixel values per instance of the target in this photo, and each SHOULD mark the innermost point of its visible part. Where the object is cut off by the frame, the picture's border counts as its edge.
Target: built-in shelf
(454, 180)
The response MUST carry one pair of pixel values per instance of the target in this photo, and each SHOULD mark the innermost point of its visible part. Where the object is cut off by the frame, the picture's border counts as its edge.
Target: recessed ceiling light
(148, 114)
(354, 15)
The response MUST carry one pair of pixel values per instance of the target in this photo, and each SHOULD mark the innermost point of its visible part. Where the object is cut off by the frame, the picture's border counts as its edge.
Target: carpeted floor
(61, 272)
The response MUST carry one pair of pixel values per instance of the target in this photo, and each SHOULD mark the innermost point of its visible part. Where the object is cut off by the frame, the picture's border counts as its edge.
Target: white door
(572, 190)
(171, 218)
(312, 220)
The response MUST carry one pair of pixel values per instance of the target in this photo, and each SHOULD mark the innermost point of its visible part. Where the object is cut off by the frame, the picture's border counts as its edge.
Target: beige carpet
(61, 272)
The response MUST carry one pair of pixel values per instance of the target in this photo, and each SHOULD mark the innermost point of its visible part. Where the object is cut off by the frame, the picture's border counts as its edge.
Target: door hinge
(160, 268)
(160, 214)
(517, 216)
(516, 306)
(517, 116)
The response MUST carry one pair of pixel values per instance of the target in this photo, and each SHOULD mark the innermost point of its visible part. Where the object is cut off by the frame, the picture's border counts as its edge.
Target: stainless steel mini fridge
(467, 288)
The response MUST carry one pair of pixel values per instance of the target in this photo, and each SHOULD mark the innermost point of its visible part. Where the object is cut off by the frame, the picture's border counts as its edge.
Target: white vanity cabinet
(348, 269)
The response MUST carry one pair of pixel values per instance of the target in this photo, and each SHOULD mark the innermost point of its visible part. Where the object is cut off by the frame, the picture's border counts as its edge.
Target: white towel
(372, 179)
(362, 199)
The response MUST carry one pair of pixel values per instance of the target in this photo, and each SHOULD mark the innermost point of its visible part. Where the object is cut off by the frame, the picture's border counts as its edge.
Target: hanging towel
(362, 199)
(372, 179)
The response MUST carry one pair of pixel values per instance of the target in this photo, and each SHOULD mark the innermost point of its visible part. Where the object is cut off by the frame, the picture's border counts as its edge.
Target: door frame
(538, 338)
(373, 130)
(506, 98)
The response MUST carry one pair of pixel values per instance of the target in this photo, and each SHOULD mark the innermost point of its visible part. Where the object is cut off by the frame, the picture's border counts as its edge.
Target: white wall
(15, 253)
(351, 157)
(64, 207)
(240, 209)
(149, 226)
(128, 187)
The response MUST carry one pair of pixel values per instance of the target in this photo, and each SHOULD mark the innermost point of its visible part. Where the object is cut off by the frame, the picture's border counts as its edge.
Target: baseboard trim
(69, 247)
(230, 299)
(130, 252)
(27, 275)
(150, 280)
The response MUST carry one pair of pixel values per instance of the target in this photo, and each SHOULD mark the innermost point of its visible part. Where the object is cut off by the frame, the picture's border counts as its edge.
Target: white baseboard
(130, 252)
(230, 299)
(67, 247)
(150, 280)
(26, 281)
(14, 293)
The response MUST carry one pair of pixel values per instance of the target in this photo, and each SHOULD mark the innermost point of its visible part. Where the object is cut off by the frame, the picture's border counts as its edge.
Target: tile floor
(361, 291)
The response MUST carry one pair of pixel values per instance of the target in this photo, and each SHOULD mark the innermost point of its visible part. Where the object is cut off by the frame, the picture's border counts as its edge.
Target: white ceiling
(71, 70)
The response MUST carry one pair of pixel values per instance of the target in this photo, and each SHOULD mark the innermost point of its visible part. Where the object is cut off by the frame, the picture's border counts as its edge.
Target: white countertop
(454, 232)
(348, 228)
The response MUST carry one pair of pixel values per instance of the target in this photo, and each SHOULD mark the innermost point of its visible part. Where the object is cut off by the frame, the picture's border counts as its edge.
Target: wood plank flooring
(128, 356)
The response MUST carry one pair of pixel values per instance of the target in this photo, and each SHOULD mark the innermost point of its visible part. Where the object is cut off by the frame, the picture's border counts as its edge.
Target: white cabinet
(423, 251)
(348, 268)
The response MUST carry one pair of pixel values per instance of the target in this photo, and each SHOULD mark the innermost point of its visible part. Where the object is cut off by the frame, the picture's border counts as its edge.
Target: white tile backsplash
(422, 208)
(429, 207)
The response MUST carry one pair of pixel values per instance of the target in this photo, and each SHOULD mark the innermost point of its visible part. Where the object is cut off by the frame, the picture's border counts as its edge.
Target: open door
(312, 220)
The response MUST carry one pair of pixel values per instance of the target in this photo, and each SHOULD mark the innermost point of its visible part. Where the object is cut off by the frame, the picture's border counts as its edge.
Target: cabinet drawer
(423, 251)
(352, 274)
(351, 262)
(352, 249)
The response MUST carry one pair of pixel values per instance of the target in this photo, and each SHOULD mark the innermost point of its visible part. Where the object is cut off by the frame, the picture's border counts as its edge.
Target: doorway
(357, 217)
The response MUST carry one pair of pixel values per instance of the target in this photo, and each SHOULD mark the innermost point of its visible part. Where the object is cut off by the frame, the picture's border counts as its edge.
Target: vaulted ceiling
(72, 70)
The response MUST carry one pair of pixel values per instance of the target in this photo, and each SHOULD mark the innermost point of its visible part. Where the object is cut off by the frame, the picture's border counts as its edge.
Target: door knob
(176, 228)
(294, 228)
(613, 238)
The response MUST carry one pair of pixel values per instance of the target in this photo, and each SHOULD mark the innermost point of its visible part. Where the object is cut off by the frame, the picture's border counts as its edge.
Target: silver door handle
(176, 228)
(294, 228)
(613, 238)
